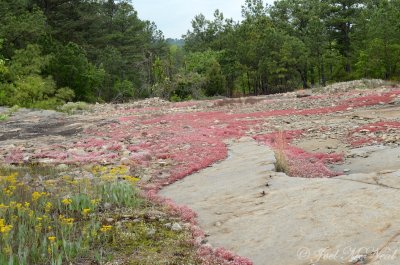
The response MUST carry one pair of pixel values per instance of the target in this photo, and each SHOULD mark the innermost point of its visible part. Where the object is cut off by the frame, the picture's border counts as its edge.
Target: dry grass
(281, 164)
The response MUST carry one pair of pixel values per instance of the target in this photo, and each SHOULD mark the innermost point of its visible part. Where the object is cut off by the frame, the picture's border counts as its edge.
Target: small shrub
(175, 98)
(6, 116)
(73, 107)
(3, 117)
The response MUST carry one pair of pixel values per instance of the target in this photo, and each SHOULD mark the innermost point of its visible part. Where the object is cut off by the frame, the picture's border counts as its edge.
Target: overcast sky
(173, 17)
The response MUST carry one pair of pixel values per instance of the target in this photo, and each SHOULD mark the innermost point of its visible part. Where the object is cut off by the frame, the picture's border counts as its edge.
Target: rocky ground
(345, 129)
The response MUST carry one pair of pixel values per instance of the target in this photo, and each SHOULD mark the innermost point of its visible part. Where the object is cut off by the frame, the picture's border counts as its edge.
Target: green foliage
(4, 71)
(120, 194)
(63, 224)
(294, 44)
(215, 84)
(4, 117)
(72, 107)
(20, 25)
(99, 50)
(123, 89)
(102, 51)
(189, 84)
(379, 56)
(24, 85)
(71, 68)
(201, 62)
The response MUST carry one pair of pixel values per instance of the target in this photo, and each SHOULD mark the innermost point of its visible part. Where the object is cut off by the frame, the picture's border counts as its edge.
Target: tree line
(297, 44)
(53, 51)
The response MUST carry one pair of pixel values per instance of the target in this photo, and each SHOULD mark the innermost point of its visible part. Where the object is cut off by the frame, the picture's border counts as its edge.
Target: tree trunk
(323, 74)
(312, 76)
(248, 82)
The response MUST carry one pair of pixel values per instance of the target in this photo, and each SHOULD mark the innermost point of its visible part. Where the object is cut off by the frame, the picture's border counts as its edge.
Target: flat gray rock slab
(371, 159)
(297, 221)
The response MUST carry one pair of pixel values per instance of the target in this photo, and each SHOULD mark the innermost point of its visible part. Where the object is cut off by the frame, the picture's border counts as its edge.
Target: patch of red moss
(299, 162)
(371, 133)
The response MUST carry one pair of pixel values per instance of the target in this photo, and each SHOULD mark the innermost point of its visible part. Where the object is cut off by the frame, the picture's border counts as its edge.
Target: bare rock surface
(371, 159)
(356, 84)
(275, 219)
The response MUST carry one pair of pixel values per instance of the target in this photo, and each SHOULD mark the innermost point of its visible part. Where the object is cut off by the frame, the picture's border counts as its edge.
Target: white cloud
(173, 17)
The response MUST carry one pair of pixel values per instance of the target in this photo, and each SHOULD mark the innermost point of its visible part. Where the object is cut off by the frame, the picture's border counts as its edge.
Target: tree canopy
(53, 51)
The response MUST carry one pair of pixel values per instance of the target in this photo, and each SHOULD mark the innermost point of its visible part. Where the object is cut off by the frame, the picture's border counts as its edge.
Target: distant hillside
(177, 42)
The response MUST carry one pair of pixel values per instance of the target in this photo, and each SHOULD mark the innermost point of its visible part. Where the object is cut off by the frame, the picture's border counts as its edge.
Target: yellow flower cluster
(10, 184)
(105, 228)
(99, 170)
(9, 191)
(66, 201)
(37, 195)
(4, 228)
(65, 220)
(48, 206)
(95, 202)
(16, 205)
(111, 174)
(132, 180)
(11, 179)
(119, 170)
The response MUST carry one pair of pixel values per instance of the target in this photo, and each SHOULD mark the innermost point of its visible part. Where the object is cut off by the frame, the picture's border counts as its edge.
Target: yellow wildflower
(131, 179)
(38, 228)
(108, 177)
(2, 206)
(48, 207)
(93, 202)
(52, 239)
(66, 221)
(7, 250)
(73, 182)
(86, 211)
(14, 218)
(8, 191)
(66, 201)
(4, 228)
(105, 228)
(11, 179)
(36, 196)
